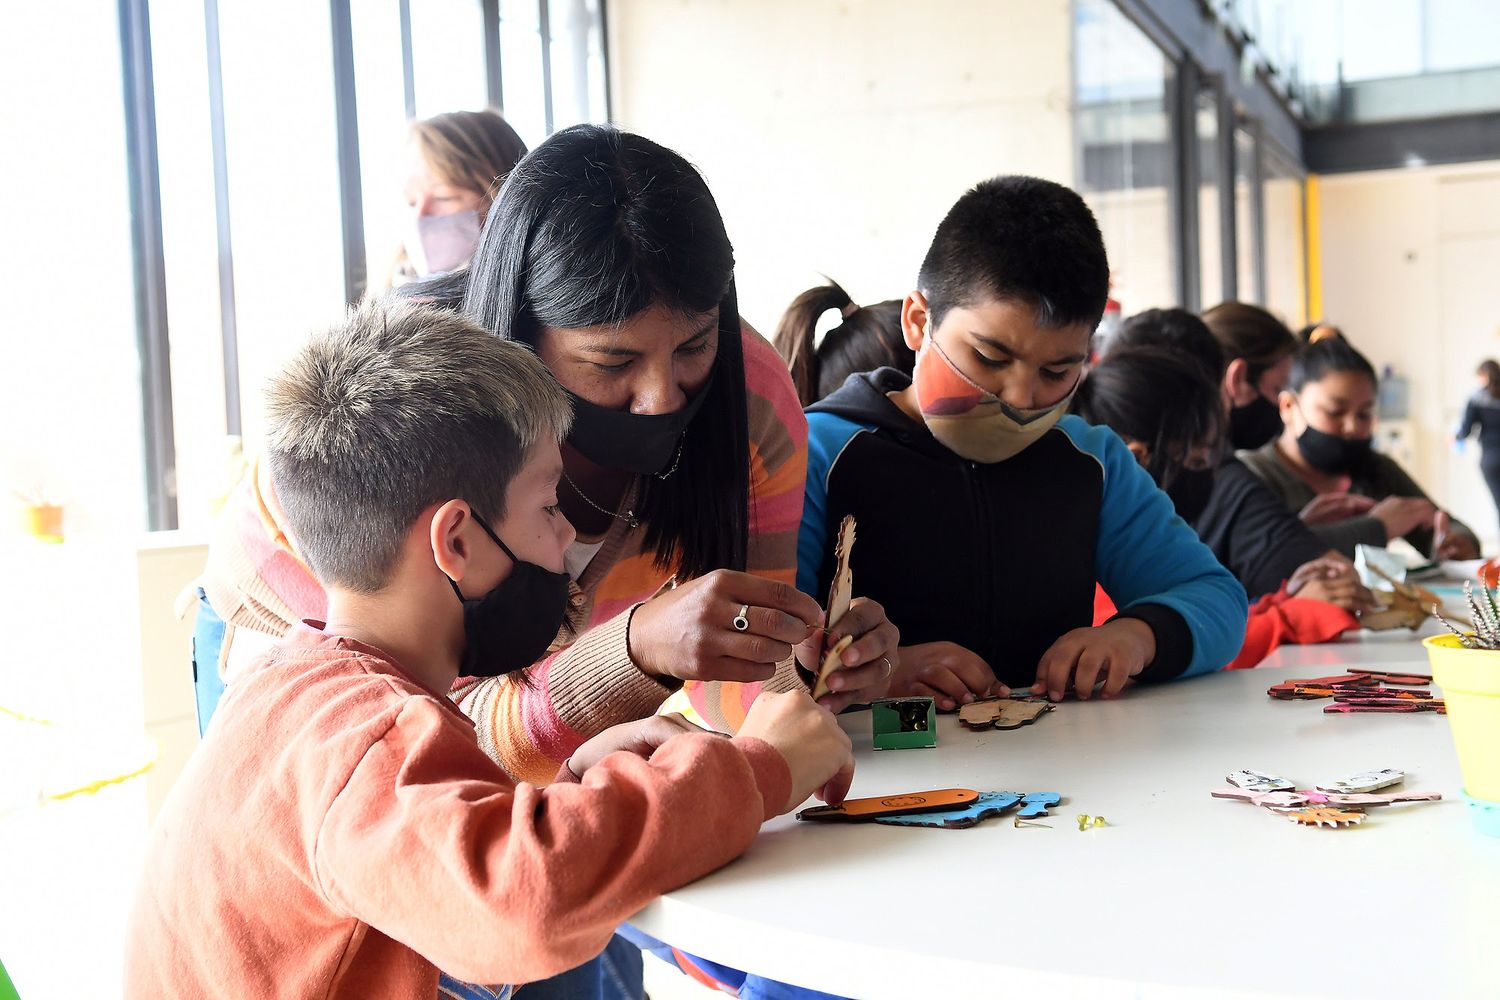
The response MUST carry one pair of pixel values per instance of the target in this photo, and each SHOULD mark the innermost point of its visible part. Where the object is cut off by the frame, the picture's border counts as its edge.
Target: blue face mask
(511, 627)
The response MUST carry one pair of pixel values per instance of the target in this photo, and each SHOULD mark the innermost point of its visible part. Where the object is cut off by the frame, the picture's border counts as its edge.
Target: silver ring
(890, 668)
(741, 621)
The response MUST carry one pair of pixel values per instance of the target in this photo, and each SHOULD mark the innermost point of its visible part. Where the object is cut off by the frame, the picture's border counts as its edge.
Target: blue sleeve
(827, 434)
(1471, 417)
(1149, 559)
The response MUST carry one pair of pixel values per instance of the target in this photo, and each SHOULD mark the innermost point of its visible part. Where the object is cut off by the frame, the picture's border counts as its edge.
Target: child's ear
(450, 549)
(914, 320)
(1286, 402)
(1141, 451)
(1237, 382)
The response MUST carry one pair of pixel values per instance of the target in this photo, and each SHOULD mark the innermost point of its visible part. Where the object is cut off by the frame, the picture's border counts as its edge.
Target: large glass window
(1210, 239)
(1246, 253)
(1123, 129)
(70, 391)
(522, 78)
(1285, 242)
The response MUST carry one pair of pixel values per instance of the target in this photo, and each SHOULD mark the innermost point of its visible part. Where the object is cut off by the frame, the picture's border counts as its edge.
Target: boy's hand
(867, 666)
(688, 632)
(816, 750)
(947, 673)
(1113, 652)
(641, 737)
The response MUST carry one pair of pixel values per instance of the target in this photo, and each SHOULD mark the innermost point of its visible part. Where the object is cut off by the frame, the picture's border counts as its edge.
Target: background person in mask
(1258, 351)
(985, 515)
(1328, 409)
(1168, 412)
(455, 164)
(1247, 526)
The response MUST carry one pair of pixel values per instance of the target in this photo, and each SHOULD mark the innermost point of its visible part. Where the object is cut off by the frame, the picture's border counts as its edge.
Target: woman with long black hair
(683, 472)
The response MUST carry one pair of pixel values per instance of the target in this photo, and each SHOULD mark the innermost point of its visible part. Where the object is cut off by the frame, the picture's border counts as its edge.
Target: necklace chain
(628, 517)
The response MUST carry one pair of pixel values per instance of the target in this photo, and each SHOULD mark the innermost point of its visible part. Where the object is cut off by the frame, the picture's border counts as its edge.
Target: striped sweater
(587, 683)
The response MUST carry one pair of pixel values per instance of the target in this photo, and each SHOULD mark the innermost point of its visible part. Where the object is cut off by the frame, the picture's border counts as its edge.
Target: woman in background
(456, 163)
(1328, 409)
(1483, 412)
(866, 338)
(1258, 351)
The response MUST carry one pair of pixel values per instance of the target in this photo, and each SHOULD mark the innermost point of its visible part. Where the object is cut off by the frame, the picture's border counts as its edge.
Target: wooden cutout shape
(1387, 707)
(1363, 800)
(1385, 677)
(1324, 816)
(1035, 804)
(864, 810)
(960, 817)
(1256, 781)
(840, 596)
(1365, 781)
(1002, 713)
(1278, 800)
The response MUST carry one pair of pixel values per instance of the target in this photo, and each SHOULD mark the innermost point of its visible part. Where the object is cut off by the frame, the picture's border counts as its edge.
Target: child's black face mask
(511, 627)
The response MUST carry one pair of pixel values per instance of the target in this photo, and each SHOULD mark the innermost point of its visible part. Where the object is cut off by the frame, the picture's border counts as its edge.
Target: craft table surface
(1180, 895)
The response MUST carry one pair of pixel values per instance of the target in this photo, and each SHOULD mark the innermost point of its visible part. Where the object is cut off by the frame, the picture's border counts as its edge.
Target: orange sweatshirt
(340, 834)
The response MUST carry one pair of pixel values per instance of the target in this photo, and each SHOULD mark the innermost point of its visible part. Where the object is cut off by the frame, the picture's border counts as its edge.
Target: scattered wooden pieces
(1002, 713)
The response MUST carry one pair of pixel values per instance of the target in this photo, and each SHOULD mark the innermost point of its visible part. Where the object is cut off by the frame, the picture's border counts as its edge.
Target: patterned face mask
(971, 421)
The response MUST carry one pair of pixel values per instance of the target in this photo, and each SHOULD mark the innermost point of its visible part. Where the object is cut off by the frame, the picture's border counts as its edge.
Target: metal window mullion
(228, 313)
(153, 342)
(1258, 211)
(346, 122)
(604, 57)
(494, 82)
(1228, 239)
(408, 64)
(1183, 203)
(544, 31)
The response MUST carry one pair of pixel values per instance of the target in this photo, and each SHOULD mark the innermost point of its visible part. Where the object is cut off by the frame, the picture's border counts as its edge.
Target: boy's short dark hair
(1174, 331)
(1019, 238)
(395, 408)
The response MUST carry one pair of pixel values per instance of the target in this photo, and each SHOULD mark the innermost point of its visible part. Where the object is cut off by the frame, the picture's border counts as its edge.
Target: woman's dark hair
(1326, 356)
(1251, 333)
(1491, 372)
(869, 337)
(1174, 331)
(1146, 394)
(595, 226)
(1314, 332)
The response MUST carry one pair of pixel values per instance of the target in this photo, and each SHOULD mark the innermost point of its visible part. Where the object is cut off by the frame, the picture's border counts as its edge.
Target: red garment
(1277, 619)
(339, 834)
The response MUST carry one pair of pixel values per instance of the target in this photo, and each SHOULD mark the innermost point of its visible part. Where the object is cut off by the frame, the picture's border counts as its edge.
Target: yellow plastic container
(43, 522)
(1470, 679)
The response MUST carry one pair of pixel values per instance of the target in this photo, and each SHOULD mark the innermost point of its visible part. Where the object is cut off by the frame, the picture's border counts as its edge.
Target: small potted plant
(41, 515)
(1466, 665)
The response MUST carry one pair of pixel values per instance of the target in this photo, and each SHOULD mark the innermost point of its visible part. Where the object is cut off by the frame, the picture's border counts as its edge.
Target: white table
(1180, 895)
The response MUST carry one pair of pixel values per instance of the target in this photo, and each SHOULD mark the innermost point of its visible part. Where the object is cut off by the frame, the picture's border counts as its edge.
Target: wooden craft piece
(1365, 800)
(865, 810)
(1385, 677)
(1326, 816)
(903, 723)
(1281, 800)
(1002, 713)
(1365, 781)
(1386, 707)
(960, 817)
(1300, 689)
(840, 596)
(1037, 803)
(1255, 781)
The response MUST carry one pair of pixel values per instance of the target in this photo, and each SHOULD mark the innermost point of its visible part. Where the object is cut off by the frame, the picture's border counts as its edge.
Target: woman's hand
(1402, 514)
(866, 666)
(692, 631)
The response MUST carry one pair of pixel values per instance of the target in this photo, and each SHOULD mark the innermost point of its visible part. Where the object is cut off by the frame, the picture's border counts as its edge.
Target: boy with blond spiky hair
(339, 833)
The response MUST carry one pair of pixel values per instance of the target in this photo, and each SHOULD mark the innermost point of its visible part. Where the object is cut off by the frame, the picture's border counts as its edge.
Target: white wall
(834, 135)
(1409, 262)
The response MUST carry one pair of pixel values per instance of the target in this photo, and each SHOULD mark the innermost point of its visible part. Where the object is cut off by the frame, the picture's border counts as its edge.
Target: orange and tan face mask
(971, 421)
